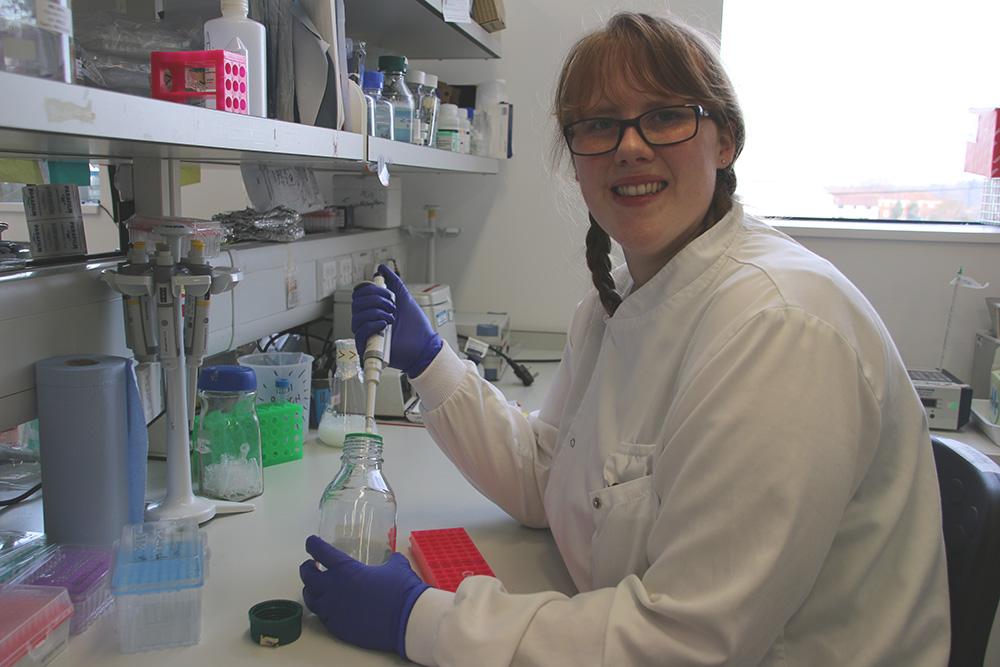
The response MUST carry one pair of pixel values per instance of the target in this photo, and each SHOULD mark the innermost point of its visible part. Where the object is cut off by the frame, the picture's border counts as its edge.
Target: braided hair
(599, 263)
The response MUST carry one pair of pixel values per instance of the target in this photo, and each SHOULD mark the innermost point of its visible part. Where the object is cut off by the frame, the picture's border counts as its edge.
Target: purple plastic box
(85, 572)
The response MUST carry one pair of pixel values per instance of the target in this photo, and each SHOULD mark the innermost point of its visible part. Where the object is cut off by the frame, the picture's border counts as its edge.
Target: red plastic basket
(446, 556)
(214, 79)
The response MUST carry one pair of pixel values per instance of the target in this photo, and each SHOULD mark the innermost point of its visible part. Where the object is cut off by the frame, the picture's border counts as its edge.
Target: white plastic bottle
(235, 23)
(464, 131)
(449, 129)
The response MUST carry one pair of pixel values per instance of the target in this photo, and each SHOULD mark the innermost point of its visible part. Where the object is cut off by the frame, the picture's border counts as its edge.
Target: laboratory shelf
(403, 157)
(51, 118)
(416, 29)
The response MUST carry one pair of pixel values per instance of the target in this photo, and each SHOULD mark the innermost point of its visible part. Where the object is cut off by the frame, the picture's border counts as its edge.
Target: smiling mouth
(639, 189)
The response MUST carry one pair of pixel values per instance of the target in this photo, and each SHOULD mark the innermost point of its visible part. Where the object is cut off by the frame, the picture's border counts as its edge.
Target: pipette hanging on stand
(164, 289)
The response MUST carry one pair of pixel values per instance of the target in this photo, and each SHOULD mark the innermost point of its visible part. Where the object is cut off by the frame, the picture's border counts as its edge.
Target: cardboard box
(490, 14)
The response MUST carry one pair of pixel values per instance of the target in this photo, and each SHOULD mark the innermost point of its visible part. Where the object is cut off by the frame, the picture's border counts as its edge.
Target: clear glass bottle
(396, 91)
(358, 508)
(345, 413)
(381, 108)
(227, 442)
(36, 44)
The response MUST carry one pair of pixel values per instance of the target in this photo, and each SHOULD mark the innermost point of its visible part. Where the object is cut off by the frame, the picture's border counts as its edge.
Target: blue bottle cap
(372, 80)
(227, 378)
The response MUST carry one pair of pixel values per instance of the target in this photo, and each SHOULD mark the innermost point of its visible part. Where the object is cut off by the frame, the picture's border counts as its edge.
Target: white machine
(947, 400)
(395, 396)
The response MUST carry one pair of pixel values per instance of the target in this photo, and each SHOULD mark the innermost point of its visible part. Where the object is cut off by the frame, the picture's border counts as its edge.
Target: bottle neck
(363, 453)
(347, 371)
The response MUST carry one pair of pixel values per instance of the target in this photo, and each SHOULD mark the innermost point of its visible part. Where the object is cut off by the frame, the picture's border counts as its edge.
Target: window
(860, 109)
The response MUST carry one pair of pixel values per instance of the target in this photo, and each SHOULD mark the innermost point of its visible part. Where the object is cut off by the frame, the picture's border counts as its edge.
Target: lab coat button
(597, 503)
(572, 442)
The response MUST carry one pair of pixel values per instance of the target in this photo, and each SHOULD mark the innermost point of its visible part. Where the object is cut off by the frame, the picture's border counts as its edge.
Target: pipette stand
(180, 501)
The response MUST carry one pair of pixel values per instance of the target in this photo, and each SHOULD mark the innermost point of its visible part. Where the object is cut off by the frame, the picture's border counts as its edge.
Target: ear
(727, 148)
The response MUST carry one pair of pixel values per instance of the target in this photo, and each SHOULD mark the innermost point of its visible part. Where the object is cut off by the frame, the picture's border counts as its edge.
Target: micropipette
(376, 358)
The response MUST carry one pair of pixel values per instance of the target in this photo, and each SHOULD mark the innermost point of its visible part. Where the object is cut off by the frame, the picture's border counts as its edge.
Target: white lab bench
(255, 556)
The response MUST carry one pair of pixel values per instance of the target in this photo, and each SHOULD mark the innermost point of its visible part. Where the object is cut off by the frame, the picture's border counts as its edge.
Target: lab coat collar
(685, 273)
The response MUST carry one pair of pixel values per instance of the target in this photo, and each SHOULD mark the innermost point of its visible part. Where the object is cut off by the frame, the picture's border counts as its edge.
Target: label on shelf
(55, 220)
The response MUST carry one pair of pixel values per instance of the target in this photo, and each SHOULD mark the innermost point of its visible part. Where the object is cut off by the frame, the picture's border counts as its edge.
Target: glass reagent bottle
(345, 413)
(396, 91)
(358, 508)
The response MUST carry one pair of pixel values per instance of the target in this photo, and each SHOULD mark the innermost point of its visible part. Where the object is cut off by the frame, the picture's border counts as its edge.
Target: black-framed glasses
(659, 127)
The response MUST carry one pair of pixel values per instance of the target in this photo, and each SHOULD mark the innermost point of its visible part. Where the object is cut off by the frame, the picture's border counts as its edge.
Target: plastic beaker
(296, 367)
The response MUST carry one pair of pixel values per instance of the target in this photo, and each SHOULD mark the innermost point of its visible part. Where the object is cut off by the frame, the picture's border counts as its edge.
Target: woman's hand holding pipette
(414, 341)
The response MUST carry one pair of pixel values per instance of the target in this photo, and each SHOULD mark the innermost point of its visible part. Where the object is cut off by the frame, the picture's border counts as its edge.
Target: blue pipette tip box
(160, 568)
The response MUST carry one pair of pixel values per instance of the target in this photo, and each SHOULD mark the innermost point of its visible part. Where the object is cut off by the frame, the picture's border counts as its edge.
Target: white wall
(522, 240)
(907, 282)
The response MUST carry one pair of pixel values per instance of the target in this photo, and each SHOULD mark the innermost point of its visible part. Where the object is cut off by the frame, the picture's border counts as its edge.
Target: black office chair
(970, 505)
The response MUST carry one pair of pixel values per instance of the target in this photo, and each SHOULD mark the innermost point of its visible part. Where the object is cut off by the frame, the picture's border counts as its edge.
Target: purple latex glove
(365, 605)
(414, 341)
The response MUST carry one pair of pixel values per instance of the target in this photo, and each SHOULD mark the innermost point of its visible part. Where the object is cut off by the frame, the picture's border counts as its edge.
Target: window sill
(888, 231)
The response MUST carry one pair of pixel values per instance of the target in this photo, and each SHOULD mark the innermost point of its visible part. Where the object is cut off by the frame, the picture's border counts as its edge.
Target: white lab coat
(735, 468)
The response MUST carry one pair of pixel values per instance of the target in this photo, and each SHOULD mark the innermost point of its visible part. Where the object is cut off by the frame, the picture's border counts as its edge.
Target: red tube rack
(446, 556)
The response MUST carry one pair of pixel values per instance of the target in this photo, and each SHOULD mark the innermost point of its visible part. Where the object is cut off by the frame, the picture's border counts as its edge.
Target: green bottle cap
(275, 622)
(392, 63)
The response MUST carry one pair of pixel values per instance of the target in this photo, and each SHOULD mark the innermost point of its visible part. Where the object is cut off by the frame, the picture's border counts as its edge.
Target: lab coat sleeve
(502, 450)
(766, 441)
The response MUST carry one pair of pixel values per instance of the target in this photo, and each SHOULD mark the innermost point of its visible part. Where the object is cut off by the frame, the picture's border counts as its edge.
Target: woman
(732, 460)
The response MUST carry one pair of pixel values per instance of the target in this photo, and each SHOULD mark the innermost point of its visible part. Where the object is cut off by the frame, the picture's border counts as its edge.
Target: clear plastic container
(358, 508)
(396, 91)
(430, 104)
(296, 367)
(32, 47)
(345, 413)
(85, 573)
(210, 232)
(380, 113)
(34, 624)
(227, 441)
(159, 571)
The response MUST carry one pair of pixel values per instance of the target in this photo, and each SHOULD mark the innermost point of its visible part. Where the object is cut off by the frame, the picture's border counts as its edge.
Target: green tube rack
(281, 435)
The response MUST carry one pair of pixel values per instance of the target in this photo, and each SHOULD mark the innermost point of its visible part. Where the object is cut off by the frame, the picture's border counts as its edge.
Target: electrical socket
(345, 272)
(327, 276)
(363, 265)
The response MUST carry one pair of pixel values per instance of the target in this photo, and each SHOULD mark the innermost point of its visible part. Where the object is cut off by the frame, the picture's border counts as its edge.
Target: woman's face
(651, 199)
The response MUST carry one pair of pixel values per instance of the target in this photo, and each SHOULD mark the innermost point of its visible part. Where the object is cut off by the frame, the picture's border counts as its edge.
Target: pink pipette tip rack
(446, 556)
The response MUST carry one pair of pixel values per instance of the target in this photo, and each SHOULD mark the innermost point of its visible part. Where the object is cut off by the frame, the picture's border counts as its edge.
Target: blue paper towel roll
(92, 438)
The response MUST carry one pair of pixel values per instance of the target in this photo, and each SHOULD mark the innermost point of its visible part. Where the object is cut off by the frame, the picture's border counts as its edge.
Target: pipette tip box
(160, 568)
(34, 624)
(85, 573)
(446, 556)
